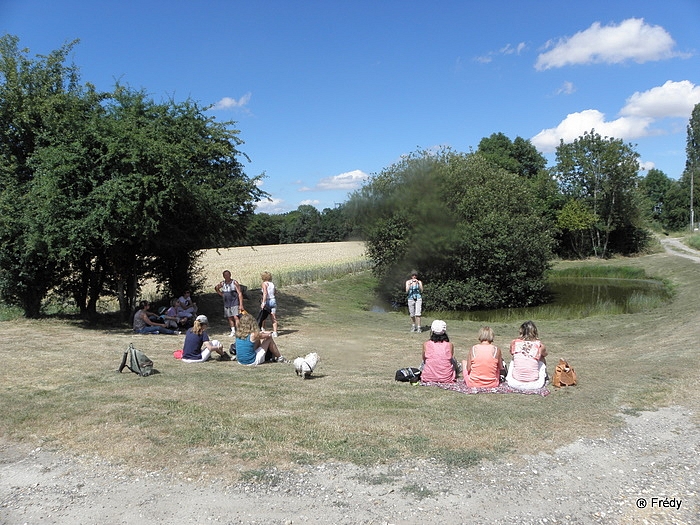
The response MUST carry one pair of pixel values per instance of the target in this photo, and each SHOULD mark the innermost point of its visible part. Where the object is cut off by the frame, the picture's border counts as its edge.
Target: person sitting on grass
(144, 325)
(253, 346)
(438, 355)
(528, 370)
(198, 347)
(172, 320)
(484, 362)
(186, 307)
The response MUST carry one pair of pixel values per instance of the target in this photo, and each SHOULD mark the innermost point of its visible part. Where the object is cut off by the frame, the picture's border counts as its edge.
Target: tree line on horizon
(102, 190)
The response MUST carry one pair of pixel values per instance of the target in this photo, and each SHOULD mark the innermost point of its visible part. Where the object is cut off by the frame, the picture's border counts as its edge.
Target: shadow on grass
(209, 304)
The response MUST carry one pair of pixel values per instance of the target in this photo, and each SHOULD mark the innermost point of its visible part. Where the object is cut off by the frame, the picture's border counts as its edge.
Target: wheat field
(288, 263)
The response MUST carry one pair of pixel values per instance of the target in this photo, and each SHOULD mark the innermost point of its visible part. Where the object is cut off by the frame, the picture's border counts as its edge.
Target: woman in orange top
(484, 362)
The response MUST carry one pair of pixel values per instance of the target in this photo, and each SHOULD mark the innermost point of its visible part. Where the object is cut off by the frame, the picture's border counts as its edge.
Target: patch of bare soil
(648, 473)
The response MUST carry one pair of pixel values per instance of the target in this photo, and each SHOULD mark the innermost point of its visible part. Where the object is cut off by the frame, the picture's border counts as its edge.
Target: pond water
(574, 298)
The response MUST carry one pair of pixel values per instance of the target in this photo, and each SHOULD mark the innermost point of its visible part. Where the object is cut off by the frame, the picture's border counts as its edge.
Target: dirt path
(647, 473)
(676, 247)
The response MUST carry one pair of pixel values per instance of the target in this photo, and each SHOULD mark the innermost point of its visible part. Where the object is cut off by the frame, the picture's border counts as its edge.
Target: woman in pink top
(484, 362)
(438, 355)
(528, 371)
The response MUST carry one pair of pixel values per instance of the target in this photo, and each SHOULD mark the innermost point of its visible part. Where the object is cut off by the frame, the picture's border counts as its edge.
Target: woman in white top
(268, 305)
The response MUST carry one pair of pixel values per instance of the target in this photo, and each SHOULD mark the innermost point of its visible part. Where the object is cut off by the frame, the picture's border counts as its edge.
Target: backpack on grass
(136, 361)
(408, 375)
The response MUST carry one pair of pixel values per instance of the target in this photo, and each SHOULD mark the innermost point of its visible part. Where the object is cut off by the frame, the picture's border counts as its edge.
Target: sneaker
(282, 359)
(232, 334)
(413, 328)
(225, 357)
(274, 334)
(419, 329)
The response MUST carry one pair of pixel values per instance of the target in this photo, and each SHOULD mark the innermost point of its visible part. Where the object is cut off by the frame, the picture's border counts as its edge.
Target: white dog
(304, 366)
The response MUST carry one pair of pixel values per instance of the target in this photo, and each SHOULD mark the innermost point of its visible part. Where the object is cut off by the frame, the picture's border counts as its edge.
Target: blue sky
(326, 93)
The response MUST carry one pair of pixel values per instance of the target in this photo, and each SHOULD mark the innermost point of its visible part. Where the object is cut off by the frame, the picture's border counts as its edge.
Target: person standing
(414, 292)
(231, 292)
(268, 305)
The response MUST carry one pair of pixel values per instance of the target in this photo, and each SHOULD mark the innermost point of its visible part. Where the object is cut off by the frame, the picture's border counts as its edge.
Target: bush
(468, 227)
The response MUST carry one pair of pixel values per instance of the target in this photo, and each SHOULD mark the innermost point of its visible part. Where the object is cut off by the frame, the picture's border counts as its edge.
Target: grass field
(60, 390)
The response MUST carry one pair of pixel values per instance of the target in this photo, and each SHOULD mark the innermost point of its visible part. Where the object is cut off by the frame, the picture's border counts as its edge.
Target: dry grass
(283, 260)
(59, 388)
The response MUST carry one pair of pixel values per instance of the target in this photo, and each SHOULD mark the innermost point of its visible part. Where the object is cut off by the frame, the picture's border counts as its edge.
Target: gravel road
(646, 473)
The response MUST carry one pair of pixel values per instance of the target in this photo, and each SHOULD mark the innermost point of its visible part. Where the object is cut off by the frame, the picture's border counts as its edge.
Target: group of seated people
(484, 366)
(177, 318)
(252, 346)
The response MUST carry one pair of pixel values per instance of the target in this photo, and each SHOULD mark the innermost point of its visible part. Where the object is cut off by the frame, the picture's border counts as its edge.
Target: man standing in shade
(230, 290)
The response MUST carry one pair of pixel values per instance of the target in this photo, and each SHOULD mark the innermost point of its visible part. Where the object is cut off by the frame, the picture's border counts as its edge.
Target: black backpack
(408, 375)
(136, 361)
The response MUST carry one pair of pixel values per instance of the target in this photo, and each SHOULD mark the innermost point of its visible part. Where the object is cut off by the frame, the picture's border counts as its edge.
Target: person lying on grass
(253, 346)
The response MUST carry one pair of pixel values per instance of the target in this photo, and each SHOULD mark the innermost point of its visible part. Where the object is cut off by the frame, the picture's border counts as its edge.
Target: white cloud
(646, 165)
(633, 39)
(310, 202)
(348, 181)
(508, 49)
(574, 125)
(673, 99)
(567, 88)
(269, 205)
(231, 103)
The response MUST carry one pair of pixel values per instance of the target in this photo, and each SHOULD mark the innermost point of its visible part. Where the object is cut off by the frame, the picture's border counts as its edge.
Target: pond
(575, 298)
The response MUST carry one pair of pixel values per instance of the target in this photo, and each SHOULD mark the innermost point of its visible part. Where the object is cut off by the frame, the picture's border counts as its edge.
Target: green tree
(301, 225)
(655, 185)
(602, 172)
(692, 163)
(264, 228)
(103, 190)
(518, 156)
(39, 99)
(577, 220)
(468, 226)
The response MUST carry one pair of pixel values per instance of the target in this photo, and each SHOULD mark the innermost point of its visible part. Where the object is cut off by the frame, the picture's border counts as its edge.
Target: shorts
(272, 306)
(415, 306)
(232, 311)
(260, 354)
(531, 385)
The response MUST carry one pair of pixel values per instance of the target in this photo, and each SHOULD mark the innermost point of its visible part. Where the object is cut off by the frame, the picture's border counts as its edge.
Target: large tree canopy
(601, 173)
(101, 190)
(468, 226)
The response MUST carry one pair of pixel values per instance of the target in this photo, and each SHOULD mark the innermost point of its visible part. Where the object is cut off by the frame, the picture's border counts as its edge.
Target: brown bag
(564, 375)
